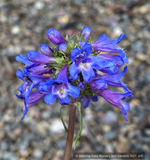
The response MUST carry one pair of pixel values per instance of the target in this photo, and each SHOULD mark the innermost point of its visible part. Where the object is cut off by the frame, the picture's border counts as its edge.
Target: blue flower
(59, 88)
(37, 69)
(30, 82)
(101, 82)
(63, 47)
(55, 37)
(24, 59)
(85, 100)
(116, 99)
(114, 80)
(98, 84)
(36, 57)
(116, 59)
(83, 62)
(45, 49)
(86, 32)
(105, 45)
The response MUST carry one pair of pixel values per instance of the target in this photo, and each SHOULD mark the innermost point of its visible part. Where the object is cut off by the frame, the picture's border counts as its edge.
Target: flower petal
(94, 98)
(74, 53)
(103, 37)
(114, 98)
(88, 74)
(24, 60)
(39, 69)
(64, 101)
(55, 37)
(63, 47)
(85, 100)
(98, 62)
(74, 70)
(39, 58)
(62, 76)
(20, 74)
(73, 91)
(34, 98)
(82, 43)
(46, 50)
(50, 98)
(37, 78)
(116, 58)
(86, 32)
(87, 48)
(98, 84)
(114, 80)
(43, 88)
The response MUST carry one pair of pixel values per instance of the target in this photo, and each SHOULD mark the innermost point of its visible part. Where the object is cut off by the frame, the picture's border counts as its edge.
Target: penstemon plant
(74, 65)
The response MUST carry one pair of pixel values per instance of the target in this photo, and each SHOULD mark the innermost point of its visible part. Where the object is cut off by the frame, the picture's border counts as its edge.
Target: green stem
(70, 134)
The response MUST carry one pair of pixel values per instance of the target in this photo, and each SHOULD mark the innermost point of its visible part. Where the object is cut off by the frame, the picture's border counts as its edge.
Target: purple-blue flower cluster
(74, 69)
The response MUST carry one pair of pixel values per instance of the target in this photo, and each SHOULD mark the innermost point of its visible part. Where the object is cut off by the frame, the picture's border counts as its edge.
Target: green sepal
(63, 120)
(67, 38)
(70, 45)
(90, 40)
(78, 105)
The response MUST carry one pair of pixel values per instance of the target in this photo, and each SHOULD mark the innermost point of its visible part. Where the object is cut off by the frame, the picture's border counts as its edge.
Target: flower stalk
(69, 141)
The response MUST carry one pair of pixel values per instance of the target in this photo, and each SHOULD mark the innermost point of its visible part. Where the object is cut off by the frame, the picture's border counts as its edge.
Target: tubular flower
(105, 45)
(73, 69)
(63, 47)
(86, 32)
(30, 82)
(83, 62)
(45, 49)
(38, 69)
(24, 60)
(36, 57)
(55, 37)
(85, 100)
(116, 99)
(60, 88)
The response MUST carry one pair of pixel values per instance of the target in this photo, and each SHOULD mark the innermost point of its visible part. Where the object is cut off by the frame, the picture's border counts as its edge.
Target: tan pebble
(134, 102)
(63, 19)
(143, 9)
(106, 128)
(141, 56)
(1, 124)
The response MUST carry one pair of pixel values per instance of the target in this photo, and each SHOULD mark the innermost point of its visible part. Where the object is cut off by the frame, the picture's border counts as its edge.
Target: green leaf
(78, 105)
(63, 120)
(90, 40)
(72, 36)
(67, 38)
(70, 45)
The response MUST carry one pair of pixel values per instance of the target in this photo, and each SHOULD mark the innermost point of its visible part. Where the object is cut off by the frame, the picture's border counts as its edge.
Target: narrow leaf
(63, 120)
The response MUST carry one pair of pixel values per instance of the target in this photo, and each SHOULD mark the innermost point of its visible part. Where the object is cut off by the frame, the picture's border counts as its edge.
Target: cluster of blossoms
(74, 67)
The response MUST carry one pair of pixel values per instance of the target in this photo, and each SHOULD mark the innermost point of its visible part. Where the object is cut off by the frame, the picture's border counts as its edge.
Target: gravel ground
(40, 136)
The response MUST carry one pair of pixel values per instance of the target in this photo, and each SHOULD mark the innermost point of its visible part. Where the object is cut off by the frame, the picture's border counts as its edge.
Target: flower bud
(81, 86)
(63, 47)
(55, 37)
(45, 49)
(86, 32)
(36, 57)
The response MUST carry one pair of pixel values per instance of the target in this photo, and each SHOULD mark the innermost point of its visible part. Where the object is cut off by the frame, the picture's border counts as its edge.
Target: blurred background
(41, 136)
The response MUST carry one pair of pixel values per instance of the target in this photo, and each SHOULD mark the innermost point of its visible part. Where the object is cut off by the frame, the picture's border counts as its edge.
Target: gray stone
(3, 146)
(109, 117)
(9, 156)
(37, 153)
(110, 135)
(57, 126)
